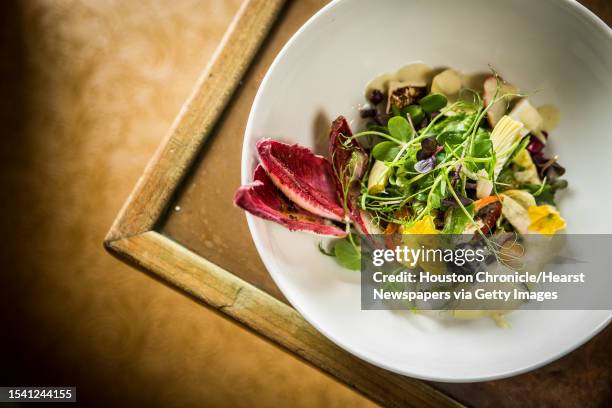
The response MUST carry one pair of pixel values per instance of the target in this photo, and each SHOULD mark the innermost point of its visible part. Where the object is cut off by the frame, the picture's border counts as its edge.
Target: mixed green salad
(446, 158)
(438, 152)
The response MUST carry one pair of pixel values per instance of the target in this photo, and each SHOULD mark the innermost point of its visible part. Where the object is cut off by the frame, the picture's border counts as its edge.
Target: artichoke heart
(505, 134)
(379, 176)
(528, 172)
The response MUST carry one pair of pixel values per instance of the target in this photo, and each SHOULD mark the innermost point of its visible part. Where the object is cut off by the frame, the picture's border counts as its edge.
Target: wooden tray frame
(133, 237)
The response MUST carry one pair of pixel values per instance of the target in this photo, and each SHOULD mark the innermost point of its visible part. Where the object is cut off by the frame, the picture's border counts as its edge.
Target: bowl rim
(245, 173)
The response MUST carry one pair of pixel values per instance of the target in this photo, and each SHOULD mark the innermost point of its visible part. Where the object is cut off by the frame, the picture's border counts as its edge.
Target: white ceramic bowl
(557, 46)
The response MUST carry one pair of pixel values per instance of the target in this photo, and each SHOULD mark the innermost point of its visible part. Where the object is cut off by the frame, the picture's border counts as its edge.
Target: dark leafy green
(452, 130)
(433, 102)
(416, 114)
(457, 220)
(347, 255)
(482, 143)
(386, 151)
(400, 129)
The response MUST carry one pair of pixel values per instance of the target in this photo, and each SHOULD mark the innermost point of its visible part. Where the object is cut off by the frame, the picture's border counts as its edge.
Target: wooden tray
(179, 225)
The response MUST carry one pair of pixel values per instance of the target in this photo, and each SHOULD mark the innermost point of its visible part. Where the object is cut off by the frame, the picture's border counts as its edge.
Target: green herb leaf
(522, 145)
(415, 112)
(433, 102)
(457, 220)
(347, 255)
(453, 130)
(400, 128)
(435, 198)
(396, 111)
(386, 151)
(482, 143)
(545, 194)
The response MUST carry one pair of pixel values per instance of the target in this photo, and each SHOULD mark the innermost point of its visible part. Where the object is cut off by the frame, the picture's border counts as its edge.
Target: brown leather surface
(89, 88)
(203, 220)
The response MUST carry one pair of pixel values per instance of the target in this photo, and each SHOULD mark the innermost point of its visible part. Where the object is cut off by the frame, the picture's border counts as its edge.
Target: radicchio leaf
(548, 168)
(349, 162)
(348, 158)
(304, 177)
(262, 199)
(535, 146)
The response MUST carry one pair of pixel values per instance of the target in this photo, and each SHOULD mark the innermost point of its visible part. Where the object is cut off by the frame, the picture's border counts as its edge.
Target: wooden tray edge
(270, 318)
(132, 237)
(196, 119)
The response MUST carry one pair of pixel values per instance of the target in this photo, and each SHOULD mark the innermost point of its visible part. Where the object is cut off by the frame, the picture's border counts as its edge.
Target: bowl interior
(555, 50)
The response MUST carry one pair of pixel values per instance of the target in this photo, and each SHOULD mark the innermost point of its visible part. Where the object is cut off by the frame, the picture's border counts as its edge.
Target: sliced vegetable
(487, 212)
(349, 164)
(447, 82)
(516, 214)
(524, 198)
(505, 134)
(527, 172)
(529, 116)
(349, 160)
(483, 202)
(484, 186)
(378, 178)
(418, 75)
(490, 92)
(364, 223)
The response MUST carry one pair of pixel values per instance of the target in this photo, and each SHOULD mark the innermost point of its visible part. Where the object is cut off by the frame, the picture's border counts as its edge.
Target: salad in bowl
(437, 152)
(332, 67)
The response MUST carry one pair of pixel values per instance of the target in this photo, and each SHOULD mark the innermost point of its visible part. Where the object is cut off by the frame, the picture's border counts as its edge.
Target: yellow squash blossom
(423, 226)
(545, 219)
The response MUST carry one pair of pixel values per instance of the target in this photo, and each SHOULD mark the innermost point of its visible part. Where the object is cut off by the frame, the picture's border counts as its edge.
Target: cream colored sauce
(447, 82)
(420, 75)
(417, 74)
